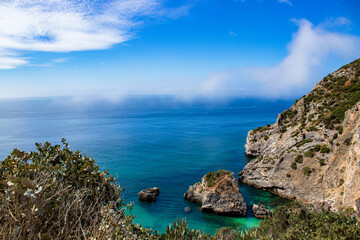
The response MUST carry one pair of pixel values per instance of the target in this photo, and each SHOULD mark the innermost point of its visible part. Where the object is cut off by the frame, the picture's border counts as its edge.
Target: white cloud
(68, 25)
(310, 48)
(285, 1)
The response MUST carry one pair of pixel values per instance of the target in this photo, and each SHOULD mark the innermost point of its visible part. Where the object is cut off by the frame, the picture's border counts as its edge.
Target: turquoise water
(146, 142)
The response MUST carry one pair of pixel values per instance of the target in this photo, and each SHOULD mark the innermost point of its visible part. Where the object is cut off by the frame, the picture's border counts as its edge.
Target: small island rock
(218, 192)
(260, 211)
(149, 195)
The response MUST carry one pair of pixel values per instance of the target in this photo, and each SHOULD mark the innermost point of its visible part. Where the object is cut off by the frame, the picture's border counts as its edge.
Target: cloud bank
(311, 47)
(68, 25)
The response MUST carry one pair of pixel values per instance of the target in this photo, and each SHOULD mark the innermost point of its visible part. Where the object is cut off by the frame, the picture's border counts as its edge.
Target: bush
(293, 165)
(212, 177)
(310, 153)
(341, 129)
(298, 222)
(299, 158)
(322, 162)
(324, 149)
(303, 142)
(307, 171)
(283, 129)
(317, 148)
(54, 193)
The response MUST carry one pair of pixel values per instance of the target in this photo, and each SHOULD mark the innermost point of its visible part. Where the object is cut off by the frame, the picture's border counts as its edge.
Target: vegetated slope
(312, 152)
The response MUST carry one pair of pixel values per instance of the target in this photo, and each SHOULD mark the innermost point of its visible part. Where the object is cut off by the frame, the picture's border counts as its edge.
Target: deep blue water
(149, 141)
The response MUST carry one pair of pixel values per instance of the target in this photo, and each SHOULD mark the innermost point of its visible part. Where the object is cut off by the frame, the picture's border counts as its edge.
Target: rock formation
(218, 192)
(260, 211)
(149, 195)
(312, 152)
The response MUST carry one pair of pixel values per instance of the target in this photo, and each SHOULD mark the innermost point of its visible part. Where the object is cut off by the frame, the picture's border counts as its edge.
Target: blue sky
(212, 48)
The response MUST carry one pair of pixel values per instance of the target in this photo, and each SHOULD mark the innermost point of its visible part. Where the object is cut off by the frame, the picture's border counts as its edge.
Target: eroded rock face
(219, 193)
(260, 211)
(312, 152)
(149, 195)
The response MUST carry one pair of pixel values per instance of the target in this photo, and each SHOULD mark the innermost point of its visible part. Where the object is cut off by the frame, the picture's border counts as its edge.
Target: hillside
(312, 152)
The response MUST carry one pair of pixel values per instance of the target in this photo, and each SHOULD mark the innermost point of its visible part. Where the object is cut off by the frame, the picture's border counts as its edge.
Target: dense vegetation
(55, 193)
(330, 100)
(211, 178)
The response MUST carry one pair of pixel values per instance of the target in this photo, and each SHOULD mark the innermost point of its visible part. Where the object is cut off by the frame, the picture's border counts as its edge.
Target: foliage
(261, 129)
(324, 149)
(299, 158)
(303, 142)
(299, 222)
(310, 153)
(289, 222)
(307, 171)
(322, 162)
(341, 129)
(212, 177)
(55, 193)
(293, 165)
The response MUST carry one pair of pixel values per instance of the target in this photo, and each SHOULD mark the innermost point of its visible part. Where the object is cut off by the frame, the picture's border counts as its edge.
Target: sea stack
(218, 192)
(149, 195)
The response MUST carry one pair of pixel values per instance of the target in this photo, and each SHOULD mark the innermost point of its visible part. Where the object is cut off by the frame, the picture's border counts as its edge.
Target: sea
(148, 141)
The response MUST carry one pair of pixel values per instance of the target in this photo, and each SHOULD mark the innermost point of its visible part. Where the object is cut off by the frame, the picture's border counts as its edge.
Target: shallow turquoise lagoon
(149, 141)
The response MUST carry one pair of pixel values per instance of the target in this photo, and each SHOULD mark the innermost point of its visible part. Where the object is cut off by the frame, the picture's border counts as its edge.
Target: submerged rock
(149, 195)
(218, 192)
(187, 209)
(260, 211)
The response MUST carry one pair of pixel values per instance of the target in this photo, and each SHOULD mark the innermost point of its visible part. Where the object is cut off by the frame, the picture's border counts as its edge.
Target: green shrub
(322, 162)
(293, 165)
(347, 141)
(303, 142)
(212, 177)
(324, 149)
(283, 129)
(298, 222)
(310, 153)
(307, 171)
(299, 158)
(55, 193)
(317, 148)
(266, 137)
(341, 129)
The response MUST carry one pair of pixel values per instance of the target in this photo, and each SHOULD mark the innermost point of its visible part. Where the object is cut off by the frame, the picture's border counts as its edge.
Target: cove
(147, 142)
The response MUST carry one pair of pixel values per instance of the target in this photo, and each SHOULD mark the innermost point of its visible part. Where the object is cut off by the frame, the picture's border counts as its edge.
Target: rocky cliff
(218, 192)
(312, 152)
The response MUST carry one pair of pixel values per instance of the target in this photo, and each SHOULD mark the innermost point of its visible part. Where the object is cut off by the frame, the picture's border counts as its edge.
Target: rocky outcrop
(312, 152)
(219, 193)
(260, 211)
(149, 195)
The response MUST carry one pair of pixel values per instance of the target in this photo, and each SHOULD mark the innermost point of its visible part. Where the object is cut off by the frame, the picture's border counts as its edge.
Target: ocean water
(147, 142)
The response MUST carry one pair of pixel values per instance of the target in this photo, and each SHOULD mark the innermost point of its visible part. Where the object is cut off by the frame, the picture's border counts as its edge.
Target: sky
(109, 49)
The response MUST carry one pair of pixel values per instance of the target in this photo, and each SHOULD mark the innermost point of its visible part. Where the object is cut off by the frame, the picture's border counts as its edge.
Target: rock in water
(260, 211)
(149, 195)
(218, 192)
(187, 209)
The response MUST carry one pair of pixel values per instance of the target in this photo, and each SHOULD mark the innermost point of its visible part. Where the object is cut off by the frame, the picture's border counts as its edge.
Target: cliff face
(312, 152)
